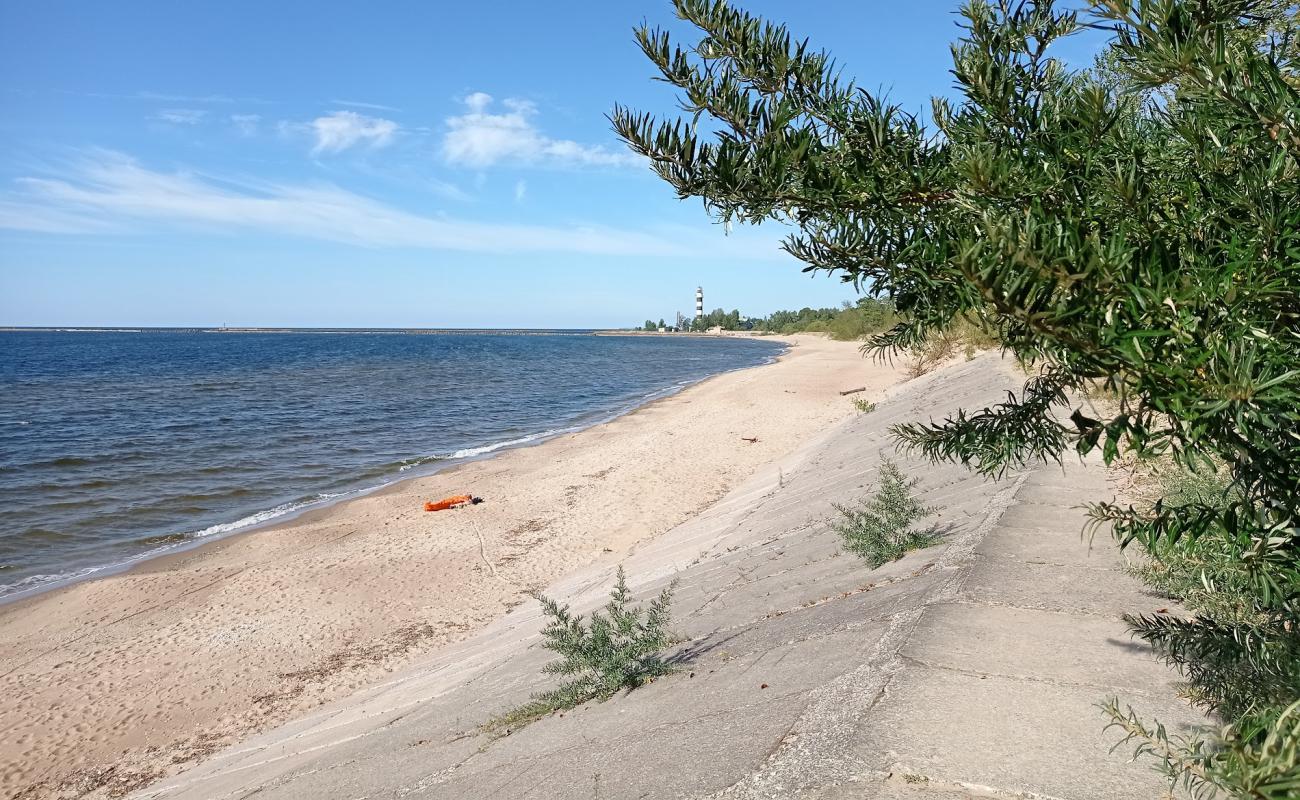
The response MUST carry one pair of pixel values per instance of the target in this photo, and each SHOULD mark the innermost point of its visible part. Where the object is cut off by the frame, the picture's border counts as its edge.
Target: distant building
(699, 301)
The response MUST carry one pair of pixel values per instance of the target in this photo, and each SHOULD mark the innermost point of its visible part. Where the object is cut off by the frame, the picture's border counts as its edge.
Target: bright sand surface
(108, 683)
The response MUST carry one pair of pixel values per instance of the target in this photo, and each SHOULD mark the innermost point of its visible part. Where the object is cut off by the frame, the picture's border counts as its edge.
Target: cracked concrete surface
(970, 669)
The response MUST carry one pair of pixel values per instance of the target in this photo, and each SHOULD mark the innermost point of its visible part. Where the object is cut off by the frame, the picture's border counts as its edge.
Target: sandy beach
(110, 683)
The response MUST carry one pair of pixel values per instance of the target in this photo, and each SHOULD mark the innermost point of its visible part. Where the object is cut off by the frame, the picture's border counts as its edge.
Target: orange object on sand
(449, 502)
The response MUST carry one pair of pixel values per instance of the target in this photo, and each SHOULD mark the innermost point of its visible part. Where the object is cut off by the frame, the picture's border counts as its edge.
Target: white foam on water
(263, 517)
(33, 584)
(470, 452)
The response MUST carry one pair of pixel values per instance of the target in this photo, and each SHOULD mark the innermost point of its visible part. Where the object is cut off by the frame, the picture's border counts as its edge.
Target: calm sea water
(117, 446)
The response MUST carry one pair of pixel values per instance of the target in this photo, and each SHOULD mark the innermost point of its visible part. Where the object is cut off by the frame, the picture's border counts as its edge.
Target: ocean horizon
(123, 444)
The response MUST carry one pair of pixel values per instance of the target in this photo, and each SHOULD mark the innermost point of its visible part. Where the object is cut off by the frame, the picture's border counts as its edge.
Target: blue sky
(385, 164)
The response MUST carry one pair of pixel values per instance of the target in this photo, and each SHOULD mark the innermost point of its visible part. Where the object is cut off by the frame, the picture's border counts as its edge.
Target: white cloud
(338, 131)
(108, 192)
(246, 124)
(479, 138)
(478, 102)
(181, 116)
(521, 189)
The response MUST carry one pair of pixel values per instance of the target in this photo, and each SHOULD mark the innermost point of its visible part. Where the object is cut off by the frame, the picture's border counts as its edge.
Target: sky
(388, 164)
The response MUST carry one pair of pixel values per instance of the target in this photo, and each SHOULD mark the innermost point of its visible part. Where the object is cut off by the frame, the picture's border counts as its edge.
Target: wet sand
(108, 684)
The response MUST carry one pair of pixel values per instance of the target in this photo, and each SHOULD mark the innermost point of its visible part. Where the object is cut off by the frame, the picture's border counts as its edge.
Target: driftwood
(750, 439)
(853, 391)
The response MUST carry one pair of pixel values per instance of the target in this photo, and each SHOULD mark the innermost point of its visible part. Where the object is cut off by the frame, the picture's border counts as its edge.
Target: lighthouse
(699, 301)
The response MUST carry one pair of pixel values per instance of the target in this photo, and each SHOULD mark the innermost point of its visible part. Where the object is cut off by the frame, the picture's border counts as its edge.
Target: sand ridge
(106, 685)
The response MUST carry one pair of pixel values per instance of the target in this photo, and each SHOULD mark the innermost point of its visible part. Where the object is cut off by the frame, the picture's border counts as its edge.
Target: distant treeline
(848, 322)
(717, 318)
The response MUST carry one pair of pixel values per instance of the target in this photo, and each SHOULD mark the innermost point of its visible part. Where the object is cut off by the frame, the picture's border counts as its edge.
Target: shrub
(930, 354)
(863, 405)
(1135, 224)
(1256, 756)
(867, 317)
(880, 529)
(943, 344)
(618, 649)
(1255, 661)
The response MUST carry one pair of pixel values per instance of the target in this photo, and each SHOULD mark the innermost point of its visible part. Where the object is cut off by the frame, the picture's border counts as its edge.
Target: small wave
(658, 394)
(167, 538)
(262, 517)
(68, 461)
(220, 494)
(259, 518)
(418, 462)
(43, 535)
(470, 452)
(84, 460)
(93, 483)
(158, 545)
(214, 386)
(35, 582)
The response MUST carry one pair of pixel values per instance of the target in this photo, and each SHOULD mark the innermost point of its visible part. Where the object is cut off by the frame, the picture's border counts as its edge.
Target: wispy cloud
(359, 104)
(479, 138)
(246, 124)
(181, 116)
(343, 129)
(109, 192)
(162, 97)
(18, 213)
(182, 98)
(521, 189)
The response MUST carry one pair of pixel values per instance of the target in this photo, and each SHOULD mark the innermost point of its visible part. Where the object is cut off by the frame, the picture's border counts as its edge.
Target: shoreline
(756, 335)
(194, 540)
(136, 673)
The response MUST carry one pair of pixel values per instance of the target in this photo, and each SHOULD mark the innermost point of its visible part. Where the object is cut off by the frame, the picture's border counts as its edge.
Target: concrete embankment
(970, 669)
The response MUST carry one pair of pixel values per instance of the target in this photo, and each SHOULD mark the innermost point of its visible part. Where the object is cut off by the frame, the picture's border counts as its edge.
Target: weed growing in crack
(617, 650)
(880, 529)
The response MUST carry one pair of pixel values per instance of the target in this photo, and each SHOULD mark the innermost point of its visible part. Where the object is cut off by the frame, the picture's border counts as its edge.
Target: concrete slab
(1038, 546)
(1055, 587)
(1027, 644)
(1019, 735)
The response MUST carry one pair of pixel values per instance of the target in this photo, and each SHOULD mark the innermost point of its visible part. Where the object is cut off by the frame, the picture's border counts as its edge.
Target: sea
(117, 446)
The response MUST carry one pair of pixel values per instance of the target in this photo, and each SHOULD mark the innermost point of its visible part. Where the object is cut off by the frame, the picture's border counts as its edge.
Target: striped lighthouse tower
(699, 301)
